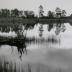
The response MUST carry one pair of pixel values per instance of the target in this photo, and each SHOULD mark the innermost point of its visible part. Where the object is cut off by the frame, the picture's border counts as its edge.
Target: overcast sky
(34, 4)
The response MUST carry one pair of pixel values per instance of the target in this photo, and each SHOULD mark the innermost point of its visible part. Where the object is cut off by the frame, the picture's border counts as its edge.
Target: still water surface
(45, 55)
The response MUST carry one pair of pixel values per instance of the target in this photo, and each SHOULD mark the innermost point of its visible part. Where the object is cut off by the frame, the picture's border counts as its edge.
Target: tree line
(30, 14)
(15, 13)
(20, 13)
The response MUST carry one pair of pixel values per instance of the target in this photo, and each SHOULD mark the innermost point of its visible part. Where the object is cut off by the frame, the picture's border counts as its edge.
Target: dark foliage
(50, 27)
(19, 42)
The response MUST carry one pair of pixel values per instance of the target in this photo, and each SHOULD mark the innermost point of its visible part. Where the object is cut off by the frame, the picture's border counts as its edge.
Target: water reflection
(41, 30)
(39, 40)
(21, 39)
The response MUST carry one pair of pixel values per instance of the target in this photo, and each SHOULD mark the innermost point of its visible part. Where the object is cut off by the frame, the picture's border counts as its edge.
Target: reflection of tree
(57, 30)
(63, 28)
(60, 28)
(41, 30)
(4, 28)
(50, 26)
(29, 26)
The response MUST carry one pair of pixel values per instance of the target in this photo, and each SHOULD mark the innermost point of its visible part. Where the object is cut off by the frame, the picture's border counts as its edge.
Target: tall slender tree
(41, 11)
(63, 13)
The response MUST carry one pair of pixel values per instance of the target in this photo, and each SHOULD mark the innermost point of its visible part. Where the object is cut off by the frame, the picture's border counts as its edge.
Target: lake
(42, 56)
